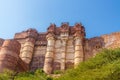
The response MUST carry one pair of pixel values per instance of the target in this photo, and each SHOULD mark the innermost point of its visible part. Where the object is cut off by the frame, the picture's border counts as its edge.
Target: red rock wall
(111, 40)
(96, 44)
(9, 55)
(92, 46)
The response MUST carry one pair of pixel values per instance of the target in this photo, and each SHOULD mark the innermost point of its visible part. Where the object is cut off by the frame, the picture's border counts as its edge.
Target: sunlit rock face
(9, 55)
(59, 48)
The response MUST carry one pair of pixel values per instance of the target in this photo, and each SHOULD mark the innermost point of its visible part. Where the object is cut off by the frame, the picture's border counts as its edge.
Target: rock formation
(59, 48)
(9, 55)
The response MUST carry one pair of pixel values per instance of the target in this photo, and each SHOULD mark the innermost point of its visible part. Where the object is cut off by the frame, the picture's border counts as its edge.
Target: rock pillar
(79, 53)
(64, 35)
(49, 54)
(9, 55)
(63, 54)
(27, 50)
(28, 47)
(79, 36)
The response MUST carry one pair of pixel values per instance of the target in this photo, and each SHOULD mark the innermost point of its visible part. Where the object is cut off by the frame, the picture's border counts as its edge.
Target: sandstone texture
(9, 55)
(59, 48)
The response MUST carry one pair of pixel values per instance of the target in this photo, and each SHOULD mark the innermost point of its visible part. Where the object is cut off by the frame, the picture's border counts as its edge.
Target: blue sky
(98, 16)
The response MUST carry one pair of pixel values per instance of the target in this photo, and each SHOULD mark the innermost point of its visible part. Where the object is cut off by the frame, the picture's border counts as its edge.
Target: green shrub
(7, 75)
(57, 72)
(37, 75)
(49, 78)
(104, 66)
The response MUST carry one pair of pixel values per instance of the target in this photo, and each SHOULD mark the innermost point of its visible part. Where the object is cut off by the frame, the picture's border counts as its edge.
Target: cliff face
(9, 56)
(59, 48)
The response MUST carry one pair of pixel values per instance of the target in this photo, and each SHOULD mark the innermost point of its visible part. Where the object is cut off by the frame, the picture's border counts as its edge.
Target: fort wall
(59, 48)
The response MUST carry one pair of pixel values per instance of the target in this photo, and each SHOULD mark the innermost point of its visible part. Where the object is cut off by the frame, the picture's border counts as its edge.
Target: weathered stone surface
(56, 66)
(59, 48)
(25, 34)
(112, 40)
(9, 55)
(49, 56)
(1, 42)
(21, 66)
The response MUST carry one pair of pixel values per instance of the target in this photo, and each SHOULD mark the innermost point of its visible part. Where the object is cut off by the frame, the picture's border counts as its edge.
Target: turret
(48, 64)
(79, 36)
(64, 34)
(28, 47)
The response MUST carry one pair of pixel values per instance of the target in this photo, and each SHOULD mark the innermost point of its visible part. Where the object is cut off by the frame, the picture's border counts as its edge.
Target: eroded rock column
(28, 47)
(49, 54)
(79, 53)
(9, 55)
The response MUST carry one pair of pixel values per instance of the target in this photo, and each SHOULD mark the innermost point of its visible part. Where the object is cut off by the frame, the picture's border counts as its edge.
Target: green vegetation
(105, 66)
(7, 75)
(57, 72)
(37, 75)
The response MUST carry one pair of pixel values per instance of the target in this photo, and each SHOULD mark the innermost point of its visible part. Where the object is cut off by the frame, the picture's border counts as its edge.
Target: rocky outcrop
(9, 55)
